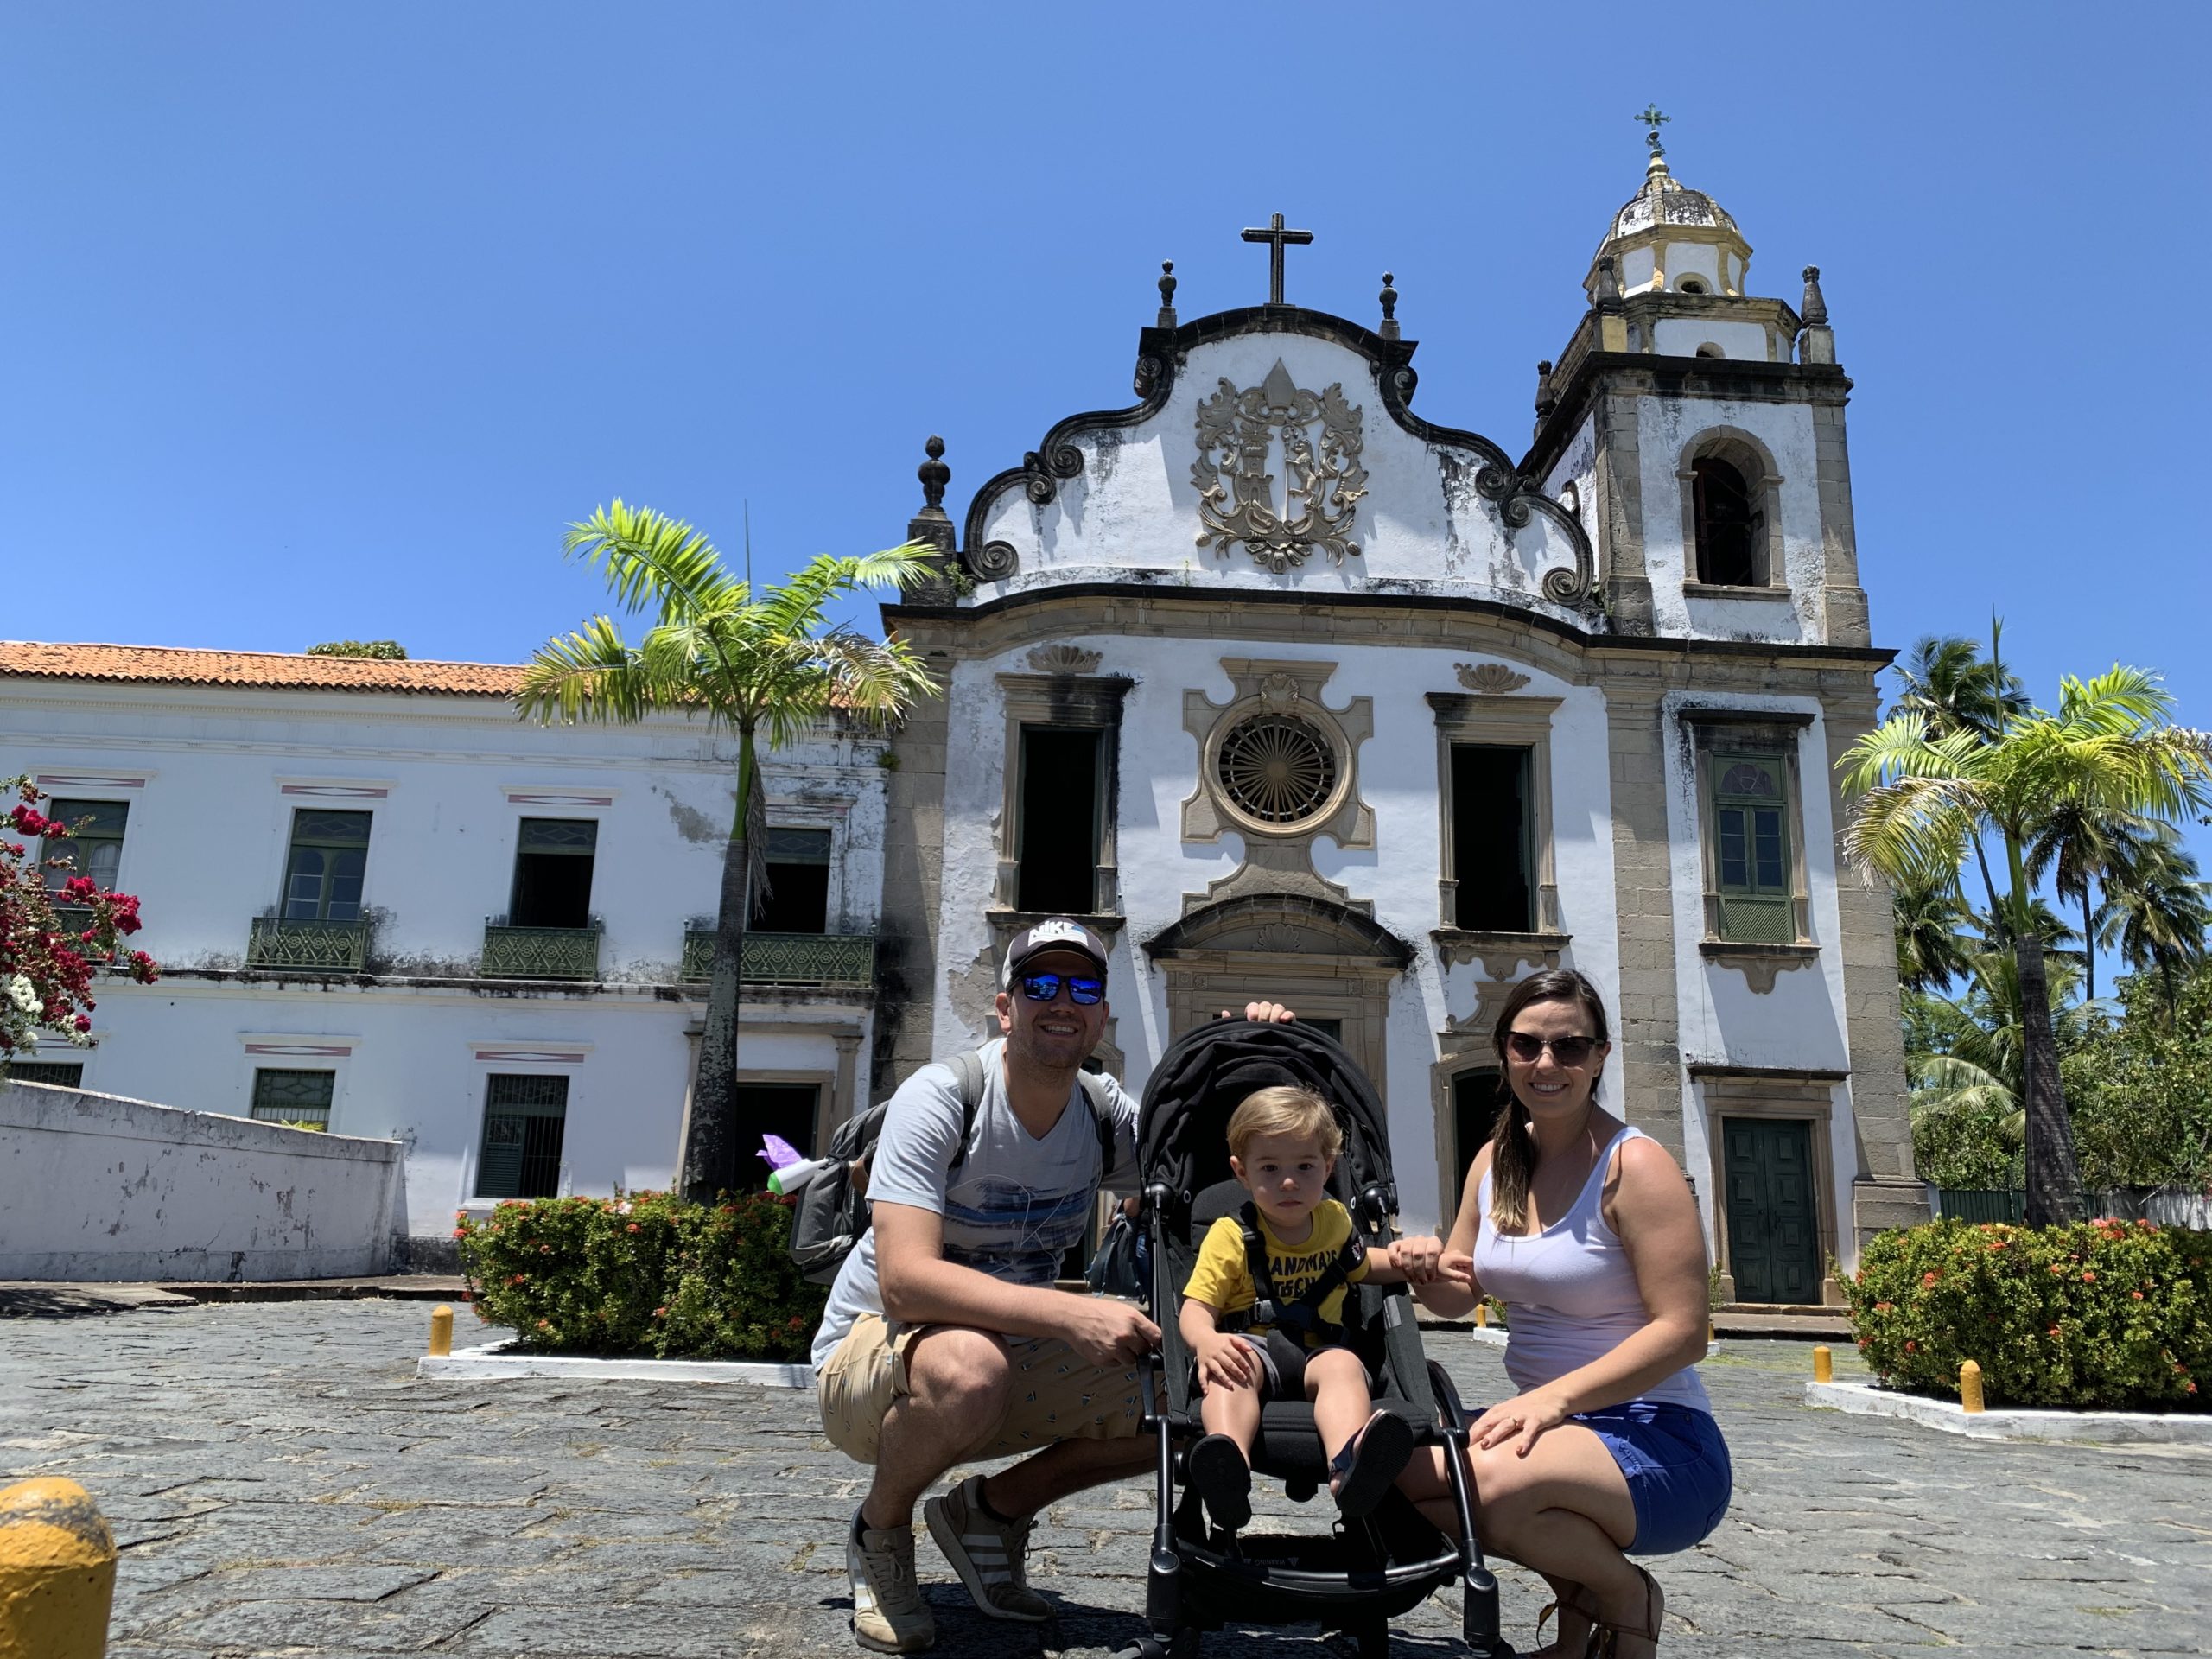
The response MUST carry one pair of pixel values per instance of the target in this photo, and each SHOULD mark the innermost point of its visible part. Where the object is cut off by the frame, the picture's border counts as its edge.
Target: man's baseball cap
(1053, 933)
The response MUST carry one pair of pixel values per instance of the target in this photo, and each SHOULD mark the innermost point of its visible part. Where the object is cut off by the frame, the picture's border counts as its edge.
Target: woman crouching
(1586, 1231)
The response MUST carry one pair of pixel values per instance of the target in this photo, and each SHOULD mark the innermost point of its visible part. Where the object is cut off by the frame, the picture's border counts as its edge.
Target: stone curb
(2104, 1428)
(493, 1362)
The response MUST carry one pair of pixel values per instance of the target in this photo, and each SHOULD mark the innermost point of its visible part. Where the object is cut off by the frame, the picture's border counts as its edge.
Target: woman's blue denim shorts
(1676, 1465)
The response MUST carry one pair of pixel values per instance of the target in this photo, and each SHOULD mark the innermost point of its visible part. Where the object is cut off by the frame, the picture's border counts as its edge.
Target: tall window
(1751, 824)
(287, 1096)
(1061, 811)
(798, 898)
(524, 1121)
(1728, 531)
(322, 876)
(779, 1108)
(93, 846)
(1492, 830)
(1476, 1103)
(553, 866)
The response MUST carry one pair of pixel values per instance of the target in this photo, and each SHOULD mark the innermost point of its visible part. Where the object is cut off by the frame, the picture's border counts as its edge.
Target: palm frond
(652, 562)
(591, 674)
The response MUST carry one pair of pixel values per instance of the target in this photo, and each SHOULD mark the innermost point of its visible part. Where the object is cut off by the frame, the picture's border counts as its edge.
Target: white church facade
(386, 907)
(1287, 691)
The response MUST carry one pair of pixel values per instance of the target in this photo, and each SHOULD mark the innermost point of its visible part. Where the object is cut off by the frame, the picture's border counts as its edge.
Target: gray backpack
(831, 1210)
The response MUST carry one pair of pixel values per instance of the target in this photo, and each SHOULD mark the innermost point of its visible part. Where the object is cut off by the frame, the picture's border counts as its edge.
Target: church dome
(1670, 237)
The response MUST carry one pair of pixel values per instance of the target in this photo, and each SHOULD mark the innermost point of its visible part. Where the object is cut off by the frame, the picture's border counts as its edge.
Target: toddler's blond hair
(1286, 1109)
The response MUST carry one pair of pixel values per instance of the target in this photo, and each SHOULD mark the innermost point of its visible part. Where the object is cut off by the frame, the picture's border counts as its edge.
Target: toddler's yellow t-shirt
(1223, 1280)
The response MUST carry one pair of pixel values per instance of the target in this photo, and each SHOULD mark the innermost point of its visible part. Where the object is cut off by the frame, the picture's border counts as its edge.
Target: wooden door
(1774, 1229)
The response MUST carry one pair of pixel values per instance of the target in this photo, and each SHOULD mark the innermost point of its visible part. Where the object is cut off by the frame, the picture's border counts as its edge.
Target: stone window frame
(1750, 456)
(1762, 732)
(837, 1100)
(829, 812)
(1727, 1091)
(1070, 702)
(1461, 1047)
(1498, 722)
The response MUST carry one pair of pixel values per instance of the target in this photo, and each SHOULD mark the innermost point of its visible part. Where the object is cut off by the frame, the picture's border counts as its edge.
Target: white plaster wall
(1802, 1023)
(1133, 515)
(1681, 336)
(1578, 465)
(102, 1188)
(1665, 428)
(1695, 259)
(208, 831)
(1397, 777)
(205, 850)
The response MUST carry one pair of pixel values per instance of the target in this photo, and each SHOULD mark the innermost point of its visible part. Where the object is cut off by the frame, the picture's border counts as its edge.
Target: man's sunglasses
(1569, 1052)
(1043, 987)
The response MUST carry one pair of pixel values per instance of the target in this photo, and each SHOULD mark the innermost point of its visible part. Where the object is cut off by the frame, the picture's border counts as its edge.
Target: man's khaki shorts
(1055, 1396)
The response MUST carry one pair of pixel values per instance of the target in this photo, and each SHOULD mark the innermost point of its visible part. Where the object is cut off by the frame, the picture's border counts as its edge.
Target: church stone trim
(1507, 722)
(1731, 1092)
(1278, 857)
(1069, 701)
(1765, 731)
(1750, 457)
(1324, 959)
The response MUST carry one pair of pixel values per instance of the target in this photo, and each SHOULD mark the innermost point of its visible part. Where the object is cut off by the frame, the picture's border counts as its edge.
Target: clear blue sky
(323, 319)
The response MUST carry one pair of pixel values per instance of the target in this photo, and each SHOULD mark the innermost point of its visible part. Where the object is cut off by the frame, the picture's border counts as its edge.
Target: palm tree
(1968, 1054)
(1931, 920)
(1925, 797)
(2155, 910)
(2079, 850)
(1947, 682)
(760, 665)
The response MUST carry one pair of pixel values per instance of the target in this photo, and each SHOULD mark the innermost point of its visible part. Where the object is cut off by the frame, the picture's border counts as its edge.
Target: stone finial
(1609, 281)
(1389, 298)
(1547, 397)
(935, 475)
(1167, 294)
(1814, 312)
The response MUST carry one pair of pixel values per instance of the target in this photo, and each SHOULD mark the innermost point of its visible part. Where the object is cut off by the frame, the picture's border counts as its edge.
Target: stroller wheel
(1187, 1644)
(1374, 1640)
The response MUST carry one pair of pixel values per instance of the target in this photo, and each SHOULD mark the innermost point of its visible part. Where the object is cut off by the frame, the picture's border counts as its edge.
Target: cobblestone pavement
(280, 1484)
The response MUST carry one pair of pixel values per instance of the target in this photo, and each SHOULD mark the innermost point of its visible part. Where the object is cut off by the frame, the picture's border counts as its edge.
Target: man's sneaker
(988, 1555)
(888, 1612)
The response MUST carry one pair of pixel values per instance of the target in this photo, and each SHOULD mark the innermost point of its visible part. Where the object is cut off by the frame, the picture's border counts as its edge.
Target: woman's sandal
(1224, 1479)
(1605, 1638)
(1576, 1601)
(1370, 1463)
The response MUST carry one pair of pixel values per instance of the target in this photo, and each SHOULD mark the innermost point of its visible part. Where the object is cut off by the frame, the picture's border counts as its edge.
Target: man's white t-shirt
(1015, 1206)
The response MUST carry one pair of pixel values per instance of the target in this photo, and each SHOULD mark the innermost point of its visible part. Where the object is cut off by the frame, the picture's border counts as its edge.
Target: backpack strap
(1093, 1085)
(967, 1069)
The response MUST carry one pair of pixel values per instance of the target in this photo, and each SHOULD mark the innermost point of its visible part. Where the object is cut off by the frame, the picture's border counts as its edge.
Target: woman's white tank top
(1570, 1293)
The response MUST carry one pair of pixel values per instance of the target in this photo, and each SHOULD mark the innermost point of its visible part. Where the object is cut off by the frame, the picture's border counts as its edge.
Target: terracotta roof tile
(171, 665)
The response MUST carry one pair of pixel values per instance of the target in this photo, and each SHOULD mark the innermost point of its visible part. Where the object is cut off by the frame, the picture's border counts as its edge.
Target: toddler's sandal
(1370, 1463)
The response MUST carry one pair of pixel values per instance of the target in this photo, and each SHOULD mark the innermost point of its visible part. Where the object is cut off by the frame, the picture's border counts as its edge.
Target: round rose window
(1277, 769)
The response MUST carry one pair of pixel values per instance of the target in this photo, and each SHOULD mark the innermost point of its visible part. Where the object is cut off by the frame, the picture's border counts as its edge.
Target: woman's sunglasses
(1569, 1052)
(1043, 987)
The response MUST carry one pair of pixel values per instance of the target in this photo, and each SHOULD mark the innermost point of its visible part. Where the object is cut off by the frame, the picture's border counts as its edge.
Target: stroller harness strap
(1303, 1315)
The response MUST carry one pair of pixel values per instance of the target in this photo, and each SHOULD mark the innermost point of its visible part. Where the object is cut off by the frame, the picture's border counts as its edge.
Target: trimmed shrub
(646, 1272)
(2108, 1315)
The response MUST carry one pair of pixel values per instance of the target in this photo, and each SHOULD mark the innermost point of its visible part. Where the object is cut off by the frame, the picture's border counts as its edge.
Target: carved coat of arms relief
(1319, 436)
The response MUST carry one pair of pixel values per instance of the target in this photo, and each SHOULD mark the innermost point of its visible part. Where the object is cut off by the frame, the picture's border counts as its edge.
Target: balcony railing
(308, 947)
(540, 952)
(788, 958)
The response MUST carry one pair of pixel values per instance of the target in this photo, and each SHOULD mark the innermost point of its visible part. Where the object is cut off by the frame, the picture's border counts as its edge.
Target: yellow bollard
(1970, 1387)
(57, 1571)
(1824, 1363)
(1482, 1316)
(441, 1328)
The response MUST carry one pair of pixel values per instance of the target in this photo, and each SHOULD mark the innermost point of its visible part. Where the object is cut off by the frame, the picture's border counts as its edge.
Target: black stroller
(1365, 1572)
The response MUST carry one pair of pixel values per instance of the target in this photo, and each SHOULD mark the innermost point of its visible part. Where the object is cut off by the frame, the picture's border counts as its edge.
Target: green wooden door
(1774, 1235)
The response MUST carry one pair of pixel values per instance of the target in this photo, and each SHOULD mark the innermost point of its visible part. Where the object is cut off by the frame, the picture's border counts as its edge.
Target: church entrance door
(1774, 1242)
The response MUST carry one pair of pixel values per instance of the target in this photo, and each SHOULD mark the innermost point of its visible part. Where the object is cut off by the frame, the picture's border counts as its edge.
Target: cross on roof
(1653, 120)
(1276, 238)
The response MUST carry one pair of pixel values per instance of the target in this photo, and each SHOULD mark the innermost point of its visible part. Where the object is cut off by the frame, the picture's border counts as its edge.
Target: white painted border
(2107, 1427)
(493, 1362)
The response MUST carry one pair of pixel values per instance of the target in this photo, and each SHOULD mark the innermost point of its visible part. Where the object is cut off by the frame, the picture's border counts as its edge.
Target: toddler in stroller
(1381, 1558)
(1263, 1311)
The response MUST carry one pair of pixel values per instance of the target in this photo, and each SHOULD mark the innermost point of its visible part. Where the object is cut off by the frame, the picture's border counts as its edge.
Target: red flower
(518, 1279)
(1998, 1243)
(2054, 1330)
(1912, 1347)
(2088, 1277)
(84, 1022)
(660, 1313)
(78, 890)
(545, 1249)
(632, 1228)
(460, 1232)
(2137, 1294)
(1928, 1281)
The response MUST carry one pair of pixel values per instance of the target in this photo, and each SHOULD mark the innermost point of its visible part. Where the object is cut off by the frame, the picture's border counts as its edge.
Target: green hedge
(2109, 1315)
(644, 1274)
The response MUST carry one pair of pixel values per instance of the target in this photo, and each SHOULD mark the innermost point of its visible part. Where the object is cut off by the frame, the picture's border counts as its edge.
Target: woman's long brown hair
(1512, 1149)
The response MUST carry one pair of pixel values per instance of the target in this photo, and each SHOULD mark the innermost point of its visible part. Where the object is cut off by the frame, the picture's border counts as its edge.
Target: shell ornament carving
(1321, 436)
(1492, 679)
(1065, 659)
